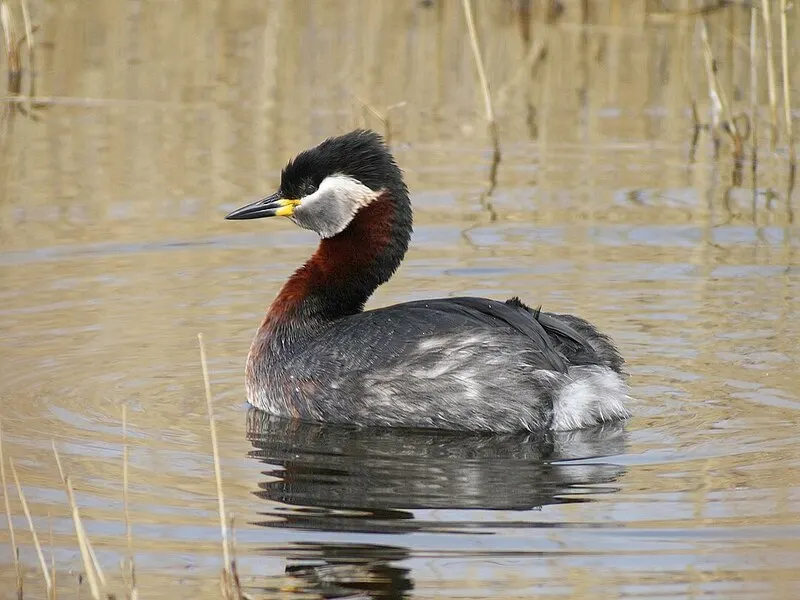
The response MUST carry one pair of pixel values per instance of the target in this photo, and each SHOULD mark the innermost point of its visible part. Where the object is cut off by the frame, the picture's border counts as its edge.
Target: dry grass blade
(696, 129)
(669, 14)
(12, 50)
(95, 563)
(54, 595)
(773, 101)
(36, 544)
(487, 102)
(713, 95)
(237, 584)
(14, 550)
(787, 108)
(133, 593)
(535, 53)
(30, 45)
(226, 576)
(26, 22)
(93, 574)
(754, 97)
(83, 543)
(128, 533)
(476, 52)
(367, 106)
(720, 114)
(6, 25)
(383, 117)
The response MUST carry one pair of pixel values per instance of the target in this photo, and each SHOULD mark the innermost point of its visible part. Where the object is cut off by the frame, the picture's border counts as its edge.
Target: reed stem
(90, 564)
(773, 101)
(42, 563)
(786, 86)
(14, 549)
(721, 118)
(494, 134)
(754, 98)
(132, 591)
(217, 471)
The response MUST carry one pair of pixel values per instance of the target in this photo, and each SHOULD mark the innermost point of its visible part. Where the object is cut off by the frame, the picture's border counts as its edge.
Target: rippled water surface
(114, 255)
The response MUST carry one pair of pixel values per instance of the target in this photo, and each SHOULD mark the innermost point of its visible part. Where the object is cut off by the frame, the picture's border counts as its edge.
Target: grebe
(451, 363)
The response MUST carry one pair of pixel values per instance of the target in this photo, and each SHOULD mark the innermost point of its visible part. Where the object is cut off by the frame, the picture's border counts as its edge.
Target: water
(114, 255)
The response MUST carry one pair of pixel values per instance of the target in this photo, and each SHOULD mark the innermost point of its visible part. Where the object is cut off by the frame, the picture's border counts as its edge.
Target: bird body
(453, 363)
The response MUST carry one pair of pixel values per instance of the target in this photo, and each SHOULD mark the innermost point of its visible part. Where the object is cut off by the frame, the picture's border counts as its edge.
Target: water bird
(461, 363)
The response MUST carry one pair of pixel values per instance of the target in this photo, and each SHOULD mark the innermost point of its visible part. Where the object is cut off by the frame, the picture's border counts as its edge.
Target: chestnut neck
(346, 269)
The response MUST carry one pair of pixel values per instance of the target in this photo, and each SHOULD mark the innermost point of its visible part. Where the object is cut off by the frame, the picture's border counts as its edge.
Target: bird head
(324, 187)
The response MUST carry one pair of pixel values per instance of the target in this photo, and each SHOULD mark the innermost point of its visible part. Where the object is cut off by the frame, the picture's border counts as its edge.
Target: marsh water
(114, 255)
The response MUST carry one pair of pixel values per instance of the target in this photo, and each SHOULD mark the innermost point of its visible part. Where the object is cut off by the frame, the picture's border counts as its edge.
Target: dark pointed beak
(271, 206)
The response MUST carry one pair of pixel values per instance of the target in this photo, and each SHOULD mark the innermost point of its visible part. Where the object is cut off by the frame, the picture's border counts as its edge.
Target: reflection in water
(337, 478)
(345, 570)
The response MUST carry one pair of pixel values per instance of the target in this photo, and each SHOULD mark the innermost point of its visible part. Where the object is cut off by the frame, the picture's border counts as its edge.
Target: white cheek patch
(330, 209)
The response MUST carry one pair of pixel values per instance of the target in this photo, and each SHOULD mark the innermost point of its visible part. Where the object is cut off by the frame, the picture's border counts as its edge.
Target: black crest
(360, 154)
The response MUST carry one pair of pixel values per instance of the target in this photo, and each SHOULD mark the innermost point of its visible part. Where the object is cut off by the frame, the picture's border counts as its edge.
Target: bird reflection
(341, 479)
(349, 570)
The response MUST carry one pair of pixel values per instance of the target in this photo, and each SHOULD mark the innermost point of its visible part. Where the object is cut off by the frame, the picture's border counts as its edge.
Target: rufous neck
(347, 268)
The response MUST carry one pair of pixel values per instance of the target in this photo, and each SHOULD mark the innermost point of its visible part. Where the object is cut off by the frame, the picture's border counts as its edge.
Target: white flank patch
(594, 395)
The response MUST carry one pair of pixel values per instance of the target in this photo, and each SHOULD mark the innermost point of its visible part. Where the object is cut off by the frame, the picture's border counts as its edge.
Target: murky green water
(114, 255)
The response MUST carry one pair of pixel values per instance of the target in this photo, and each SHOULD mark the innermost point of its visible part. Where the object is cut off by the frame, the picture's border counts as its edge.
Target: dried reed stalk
(54, 595)
(754, 96)
(227, 575)
(36, 544)
(698, 126)
(6, 25)
(534, 54)
(26, 20)
(773, 100)
(786, 87)
(234, 570)
(487, 101)
(14, 76)
(13, 44)
(30, 45)
(14, 549)
(720, 114)
(133, 593)
(93, 572)
(384, 117)
(670, 15)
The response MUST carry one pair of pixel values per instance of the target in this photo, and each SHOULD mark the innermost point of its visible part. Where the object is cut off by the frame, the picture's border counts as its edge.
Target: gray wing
(387, 336)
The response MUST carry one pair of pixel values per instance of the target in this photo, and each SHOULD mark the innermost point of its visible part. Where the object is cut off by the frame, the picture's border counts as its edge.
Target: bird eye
(309, 187)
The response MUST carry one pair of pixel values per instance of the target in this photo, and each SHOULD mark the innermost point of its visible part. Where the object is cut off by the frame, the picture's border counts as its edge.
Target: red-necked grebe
(449, 363)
